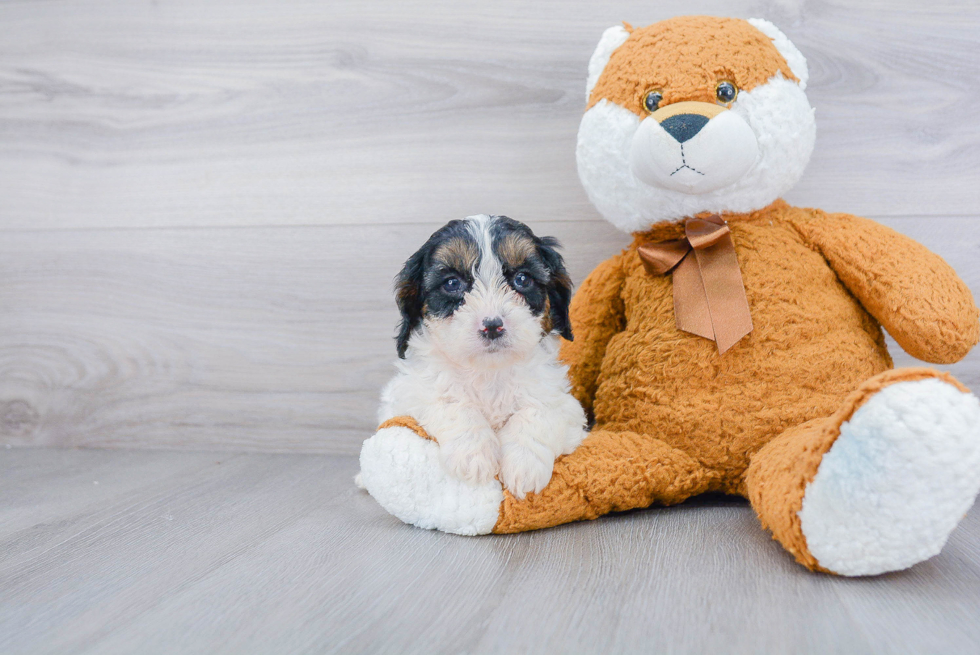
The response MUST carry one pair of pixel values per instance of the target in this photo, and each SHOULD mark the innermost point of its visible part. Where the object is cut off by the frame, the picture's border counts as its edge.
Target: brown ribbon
(709, 296)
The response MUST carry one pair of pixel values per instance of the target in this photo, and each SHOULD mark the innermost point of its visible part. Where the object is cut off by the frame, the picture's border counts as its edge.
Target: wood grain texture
(122, 114)
(279, 553)
(202, 205)
(242, 339)
(257, 338)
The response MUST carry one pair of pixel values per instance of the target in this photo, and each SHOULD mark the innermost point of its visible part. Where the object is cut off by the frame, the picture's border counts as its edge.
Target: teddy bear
(736, 345)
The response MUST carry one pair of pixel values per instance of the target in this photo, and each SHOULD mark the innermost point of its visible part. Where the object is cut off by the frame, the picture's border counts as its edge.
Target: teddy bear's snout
(693, 148)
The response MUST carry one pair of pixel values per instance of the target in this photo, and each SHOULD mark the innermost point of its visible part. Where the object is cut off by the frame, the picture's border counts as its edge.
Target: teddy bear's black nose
(684, 126)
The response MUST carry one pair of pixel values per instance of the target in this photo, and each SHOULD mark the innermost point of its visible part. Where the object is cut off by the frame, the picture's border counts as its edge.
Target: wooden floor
(180, 552)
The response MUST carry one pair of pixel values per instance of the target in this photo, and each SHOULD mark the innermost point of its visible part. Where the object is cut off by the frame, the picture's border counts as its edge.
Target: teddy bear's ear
(611, 39)
(793, 57)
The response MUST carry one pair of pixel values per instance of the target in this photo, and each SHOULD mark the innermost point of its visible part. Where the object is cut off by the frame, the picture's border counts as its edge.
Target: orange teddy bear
(736, 345)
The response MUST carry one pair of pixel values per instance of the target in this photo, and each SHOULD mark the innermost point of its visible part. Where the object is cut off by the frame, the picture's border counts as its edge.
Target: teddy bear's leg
(609, 471)
(400, 468)
(881, 484)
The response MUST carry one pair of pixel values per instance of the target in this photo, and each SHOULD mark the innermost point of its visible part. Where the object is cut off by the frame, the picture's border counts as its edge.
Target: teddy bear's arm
(597, 313)
(911, 291)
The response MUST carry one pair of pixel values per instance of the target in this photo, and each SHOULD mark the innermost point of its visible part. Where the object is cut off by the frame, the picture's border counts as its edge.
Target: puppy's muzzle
(493, 328)
(693, 147)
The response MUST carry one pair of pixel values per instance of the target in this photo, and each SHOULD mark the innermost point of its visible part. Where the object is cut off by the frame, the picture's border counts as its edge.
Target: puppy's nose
(684, 126)
(493, 328)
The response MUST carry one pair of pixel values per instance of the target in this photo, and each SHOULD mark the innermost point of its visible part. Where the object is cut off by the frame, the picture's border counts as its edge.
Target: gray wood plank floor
(166, 552)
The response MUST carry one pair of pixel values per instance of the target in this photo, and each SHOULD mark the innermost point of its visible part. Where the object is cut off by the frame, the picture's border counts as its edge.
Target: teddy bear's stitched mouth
(684, 165)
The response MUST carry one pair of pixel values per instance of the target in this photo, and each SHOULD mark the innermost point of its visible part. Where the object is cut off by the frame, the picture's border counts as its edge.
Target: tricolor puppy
(482, 305)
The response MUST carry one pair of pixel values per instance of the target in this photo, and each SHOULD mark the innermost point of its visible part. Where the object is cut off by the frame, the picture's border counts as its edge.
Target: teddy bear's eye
(651, 101)
(726, 92)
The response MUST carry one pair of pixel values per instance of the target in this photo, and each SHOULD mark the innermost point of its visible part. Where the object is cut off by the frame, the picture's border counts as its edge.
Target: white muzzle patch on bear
(692, 148)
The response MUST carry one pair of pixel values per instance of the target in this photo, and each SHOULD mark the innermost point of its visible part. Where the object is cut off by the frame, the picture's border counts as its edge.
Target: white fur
(611, 39)
(402, 472)
(902, 473)
(496, 408)
(512, 420)
(777, 113)
(793, 57)
(717, 156)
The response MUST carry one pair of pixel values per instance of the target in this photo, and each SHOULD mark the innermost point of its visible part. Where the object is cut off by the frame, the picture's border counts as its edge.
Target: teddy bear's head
(693, 114)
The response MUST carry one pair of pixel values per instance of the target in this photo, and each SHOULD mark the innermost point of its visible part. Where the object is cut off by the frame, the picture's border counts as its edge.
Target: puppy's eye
(651, 101)
(523, 281)
(726, 92)
(453, 285)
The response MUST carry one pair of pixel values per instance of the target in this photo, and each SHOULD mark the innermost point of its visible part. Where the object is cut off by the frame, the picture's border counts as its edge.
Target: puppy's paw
(524, 469)
(473, 456)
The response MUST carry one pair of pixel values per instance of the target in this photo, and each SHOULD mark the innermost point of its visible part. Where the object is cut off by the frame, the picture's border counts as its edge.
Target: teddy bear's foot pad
(403, 473)
(898, 479)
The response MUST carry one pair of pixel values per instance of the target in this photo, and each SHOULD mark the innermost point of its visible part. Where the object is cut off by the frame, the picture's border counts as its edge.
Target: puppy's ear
(560, 286)
(409, 295)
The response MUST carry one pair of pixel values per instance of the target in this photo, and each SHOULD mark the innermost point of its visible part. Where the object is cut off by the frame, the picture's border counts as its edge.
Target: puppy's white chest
(496, 398)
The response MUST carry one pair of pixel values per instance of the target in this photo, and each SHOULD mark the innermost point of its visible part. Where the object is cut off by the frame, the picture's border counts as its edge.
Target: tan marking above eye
(515, 249)
(458, 254)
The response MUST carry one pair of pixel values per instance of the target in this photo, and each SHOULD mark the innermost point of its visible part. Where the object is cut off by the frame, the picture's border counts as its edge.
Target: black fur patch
(419, 288)
(452, 252)
(520, 251)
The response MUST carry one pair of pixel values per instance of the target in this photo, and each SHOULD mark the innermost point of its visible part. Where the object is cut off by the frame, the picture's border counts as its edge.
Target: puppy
(482, 305)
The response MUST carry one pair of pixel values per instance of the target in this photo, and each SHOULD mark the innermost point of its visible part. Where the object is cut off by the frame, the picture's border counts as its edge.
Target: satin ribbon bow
(709, 296)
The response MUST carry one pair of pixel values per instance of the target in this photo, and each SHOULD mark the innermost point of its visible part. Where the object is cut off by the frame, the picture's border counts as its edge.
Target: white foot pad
(904, 471)
(403, 473)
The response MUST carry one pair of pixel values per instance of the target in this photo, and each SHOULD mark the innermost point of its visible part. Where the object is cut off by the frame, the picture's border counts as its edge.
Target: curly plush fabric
(673, 419)
(671, 56)
(408, 423)
(854, 467)
(781, 471)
